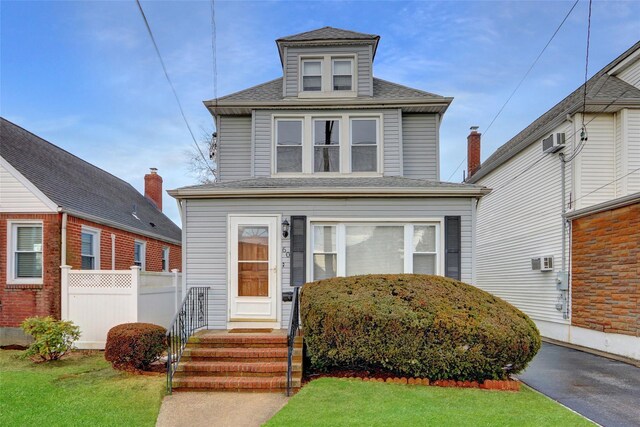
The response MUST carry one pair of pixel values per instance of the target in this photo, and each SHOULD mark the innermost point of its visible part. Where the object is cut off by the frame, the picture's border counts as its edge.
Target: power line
(607, 184)
(521, 80)
(173, 89)
(213, 50)
(586, 65)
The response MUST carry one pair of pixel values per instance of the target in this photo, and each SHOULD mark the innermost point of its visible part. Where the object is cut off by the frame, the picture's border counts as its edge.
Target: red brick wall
(606, 271)
(124, 247)
(18, 302)
(21, 301)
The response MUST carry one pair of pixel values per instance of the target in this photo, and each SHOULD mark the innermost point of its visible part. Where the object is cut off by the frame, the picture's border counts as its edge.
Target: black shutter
(452, 246)
(298, 251)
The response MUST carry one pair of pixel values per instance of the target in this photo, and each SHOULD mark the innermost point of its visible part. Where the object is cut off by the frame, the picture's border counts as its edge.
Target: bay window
(349, 249)
(326, 146)
(289, 145)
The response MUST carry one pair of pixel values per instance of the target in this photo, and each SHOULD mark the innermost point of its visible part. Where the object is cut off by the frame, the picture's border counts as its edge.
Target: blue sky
(84, 75)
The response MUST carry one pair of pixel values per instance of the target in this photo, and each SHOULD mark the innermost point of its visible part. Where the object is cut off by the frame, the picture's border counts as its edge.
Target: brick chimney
(153, 187)
(473, 151)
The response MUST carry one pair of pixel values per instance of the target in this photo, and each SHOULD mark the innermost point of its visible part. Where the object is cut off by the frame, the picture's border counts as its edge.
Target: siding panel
(633, 150)
(419, 146)
(597, 168)
(632, 74)
(206, 227)
(234, 148)
(15, 197)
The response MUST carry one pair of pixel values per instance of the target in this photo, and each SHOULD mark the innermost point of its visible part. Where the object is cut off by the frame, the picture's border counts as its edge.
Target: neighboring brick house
(577, 278)
(57, 209)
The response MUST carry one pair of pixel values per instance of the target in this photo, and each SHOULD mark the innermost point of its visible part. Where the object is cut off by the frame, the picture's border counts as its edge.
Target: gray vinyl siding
(234, 147)
(419, 146)
(263, 139)
(364, 68)
(205, 228)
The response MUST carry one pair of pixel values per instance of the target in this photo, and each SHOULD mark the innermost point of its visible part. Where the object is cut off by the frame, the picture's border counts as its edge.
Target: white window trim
(143, 254)
(11, 244)
(302, 75)
(333, 61)
(345, 148)
(408, 224)
(96, 245)
(166, 249)
(378, 141)
(327, 76)
(274, 121)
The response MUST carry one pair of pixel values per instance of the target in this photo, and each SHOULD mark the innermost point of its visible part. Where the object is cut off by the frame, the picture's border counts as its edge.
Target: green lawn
(340, 402)
(79, 391)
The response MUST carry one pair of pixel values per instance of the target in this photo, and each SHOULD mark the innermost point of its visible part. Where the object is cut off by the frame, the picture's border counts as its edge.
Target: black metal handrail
(192, 315)
(294, 326)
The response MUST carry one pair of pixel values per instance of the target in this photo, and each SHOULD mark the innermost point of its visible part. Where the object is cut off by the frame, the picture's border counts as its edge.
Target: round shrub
(415, 325)
(134, 346)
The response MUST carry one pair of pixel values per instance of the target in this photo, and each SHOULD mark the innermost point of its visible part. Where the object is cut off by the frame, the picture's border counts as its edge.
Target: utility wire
(522, 80)
(173, 89)
(586, 65)
(607, 184)
(214, 42)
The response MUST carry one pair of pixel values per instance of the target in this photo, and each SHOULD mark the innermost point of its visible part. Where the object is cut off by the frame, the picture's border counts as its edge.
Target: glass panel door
(253, 261)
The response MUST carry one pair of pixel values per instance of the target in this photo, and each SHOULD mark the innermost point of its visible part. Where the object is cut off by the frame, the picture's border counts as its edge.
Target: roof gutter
(319, 192)
(620, 202)
(330, 102)
(114, 224)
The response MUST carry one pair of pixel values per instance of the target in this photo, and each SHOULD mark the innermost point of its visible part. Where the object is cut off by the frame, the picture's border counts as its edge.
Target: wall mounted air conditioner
(542, 263)
(553, 143)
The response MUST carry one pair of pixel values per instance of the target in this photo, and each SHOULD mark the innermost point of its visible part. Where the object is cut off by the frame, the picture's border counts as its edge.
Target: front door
(253, 269)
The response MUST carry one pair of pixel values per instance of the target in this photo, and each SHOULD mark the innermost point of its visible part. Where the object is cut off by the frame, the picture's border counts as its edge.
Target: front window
(165, 259)
(289, 145)
(342, 74)
(89, 249)
(27, 251)
(350, 249)
(364, 145)
(312, 76)
(326, 146)
(139, 254)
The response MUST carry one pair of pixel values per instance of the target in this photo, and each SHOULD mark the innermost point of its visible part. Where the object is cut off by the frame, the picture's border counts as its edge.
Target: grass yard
(340, 402)
(82, 390)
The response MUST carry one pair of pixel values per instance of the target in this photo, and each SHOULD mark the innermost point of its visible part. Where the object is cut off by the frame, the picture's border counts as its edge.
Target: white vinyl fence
(97, 300)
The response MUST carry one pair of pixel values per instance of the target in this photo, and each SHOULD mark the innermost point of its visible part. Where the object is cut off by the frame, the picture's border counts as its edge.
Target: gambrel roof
(605, 93)
(80, 188)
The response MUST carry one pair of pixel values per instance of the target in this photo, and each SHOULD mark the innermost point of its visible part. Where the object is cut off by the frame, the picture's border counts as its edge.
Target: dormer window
(342, 74)
(312, 75)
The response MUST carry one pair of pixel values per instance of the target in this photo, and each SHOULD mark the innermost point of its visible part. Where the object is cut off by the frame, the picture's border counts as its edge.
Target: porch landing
(236, 360)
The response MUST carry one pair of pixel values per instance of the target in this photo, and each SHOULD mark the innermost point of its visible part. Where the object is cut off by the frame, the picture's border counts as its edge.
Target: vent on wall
(553, 143)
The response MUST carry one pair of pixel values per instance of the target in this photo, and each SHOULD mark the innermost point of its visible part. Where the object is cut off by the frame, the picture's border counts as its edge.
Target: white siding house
(522, 218)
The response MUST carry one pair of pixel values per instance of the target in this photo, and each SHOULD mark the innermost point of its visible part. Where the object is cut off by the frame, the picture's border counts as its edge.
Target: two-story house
(326, 171)
(569, 257)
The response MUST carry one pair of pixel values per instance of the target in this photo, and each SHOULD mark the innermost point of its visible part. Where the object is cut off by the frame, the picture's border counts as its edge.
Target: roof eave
(320, 192)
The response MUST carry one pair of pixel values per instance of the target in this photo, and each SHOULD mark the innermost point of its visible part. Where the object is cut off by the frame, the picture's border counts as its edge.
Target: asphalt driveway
(603, 390)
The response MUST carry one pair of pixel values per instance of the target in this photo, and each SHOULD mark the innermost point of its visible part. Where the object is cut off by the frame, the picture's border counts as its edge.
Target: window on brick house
(90, 249)
(25, 260)
(139, 249)
(165, 259)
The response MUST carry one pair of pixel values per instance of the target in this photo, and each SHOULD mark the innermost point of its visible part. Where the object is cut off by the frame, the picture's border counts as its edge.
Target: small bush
(52, 338)
(134, 346)
(415, 325)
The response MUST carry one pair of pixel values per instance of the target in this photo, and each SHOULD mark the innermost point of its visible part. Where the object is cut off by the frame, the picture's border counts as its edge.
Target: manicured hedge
(415, 325)
(134, 346)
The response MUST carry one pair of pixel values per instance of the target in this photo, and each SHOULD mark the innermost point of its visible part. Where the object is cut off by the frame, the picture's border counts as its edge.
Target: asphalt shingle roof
(78, 186)
(271, 91)
(328, 33)
(329, 183)
(602, 88)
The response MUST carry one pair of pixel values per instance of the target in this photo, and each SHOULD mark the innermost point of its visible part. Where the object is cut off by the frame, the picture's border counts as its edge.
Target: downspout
(562, 280)
(63, 251)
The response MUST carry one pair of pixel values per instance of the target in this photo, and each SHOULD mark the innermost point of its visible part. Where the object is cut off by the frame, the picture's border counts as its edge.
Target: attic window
(312, 76)
(342, 74)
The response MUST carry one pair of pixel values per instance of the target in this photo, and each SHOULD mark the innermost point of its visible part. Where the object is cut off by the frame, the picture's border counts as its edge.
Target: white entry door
(253, 269)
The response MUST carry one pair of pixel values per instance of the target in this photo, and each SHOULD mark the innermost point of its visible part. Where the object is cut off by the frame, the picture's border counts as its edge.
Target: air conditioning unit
(553, 143)
(542, 263)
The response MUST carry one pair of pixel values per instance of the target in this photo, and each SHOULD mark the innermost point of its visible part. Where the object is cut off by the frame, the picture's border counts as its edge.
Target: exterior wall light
(285, 228)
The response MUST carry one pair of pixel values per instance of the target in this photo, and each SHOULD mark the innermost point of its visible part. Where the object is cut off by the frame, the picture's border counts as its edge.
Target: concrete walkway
(603, 390)
(219, 409)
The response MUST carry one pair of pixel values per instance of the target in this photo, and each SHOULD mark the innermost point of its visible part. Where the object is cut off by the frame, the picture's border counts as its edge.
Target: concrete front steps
(251, 362)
